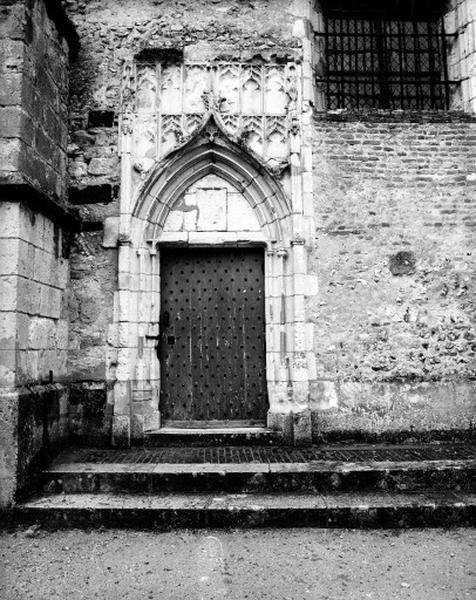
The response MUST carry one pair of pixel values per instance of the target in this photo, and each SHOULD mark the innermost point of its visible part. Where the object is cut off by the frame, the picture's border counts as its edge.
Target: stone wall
(33, 321)
(33, 99)
(34, 237)
(92, 285)
(394, 321)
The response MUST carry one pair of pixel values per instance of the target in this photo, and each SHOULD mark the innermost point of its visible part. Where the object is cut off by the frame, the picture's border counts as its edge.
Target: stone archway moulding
(210, 151)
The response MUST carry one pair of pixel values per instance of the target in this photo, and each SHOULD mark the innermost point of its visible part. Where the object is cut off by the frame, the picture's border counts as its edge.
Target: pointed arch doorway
(209, 195)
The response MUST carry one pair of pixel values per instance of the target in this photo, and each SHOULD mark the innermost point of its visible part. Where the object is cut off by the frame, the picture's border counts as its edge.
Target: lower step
(377, 510)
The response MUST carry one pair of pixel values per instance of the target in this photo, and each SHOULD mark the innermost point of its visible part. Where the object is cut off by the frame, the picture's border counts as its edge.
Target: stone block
(9, 256)
(10, 154)
(8, 297)
(29, 296)
(41, 231)
(190, 219)
(11, 89)
(103, 166)
(28, 370)
(241, 216)
(43, 269)
(121, 430)
(62, 334)
(212, 206)
(174, 221)
(125, 363)
(77, 169)
(60, 274)
(8, 330)
(9, 219)
(12, 20)
(11, 118)
(50, 302)
(302, 428)
(41, 333)
(7, 367)
(111, 232)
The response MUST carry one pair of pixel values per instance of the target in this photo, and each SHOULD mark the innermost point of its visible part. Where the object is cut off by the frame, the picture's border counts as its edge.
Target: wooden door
(212, 337)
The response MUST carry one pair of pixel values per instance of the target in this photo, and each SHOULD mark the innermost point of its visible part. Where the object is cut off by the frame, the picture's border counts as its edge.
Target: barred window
(384, 54)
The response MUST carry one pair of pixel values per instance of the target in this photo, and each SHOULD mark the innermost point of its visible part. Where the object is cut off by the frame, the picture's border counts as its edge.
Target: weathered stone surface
(102, 166)
(398, 319)
(42, 429)
(89, 415)
(402, 263)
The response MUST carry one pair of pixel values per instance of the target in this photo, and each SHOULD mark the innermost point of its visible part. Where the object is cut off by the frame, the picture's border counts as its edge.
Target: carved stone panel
(254, 101)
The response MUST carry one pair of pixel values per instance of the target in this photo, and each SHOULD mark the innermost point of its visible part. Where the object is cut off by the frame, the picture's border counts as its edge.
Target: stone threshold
(170, 436)
(207, 431)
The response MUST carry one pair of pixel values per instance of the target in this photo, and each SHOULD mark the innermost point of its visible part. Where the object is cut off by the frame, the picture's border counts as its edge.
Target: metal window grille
(385, 54)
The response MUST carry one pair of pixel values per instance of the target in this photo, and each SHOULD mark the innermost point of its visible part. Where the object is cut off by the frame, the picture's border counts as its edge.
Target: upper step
(262, 470)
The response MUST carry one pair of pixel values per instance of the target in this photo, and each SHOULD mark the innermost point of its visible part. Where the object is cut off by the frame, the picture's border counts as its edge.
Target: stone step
(183, 437)
(254, 477)
(165, 511)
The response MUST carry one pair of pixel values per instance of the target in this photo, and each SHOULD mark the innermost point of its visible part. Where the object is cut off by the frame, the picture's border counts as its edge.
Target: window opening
(387, 54)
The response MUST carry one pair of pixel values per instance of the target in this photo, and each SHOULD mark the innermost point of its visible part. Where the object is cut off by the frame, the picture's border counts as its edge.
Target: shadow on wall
(42, 428)
(52, 416)
(90, 416)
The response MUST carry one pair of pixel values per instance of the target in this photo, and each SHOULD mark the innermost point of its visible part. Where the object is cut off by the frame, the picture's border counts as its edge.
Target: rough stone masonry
(129, 126)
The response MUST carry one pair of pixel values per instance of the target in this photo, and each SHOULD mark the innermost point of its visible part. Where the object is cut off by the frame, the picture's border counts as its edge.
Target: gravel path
(265, 564)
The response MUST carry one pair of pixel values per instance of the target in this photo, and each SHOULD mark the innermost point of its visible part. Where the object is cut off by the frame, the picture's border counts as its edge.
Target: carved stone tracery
(258, 103)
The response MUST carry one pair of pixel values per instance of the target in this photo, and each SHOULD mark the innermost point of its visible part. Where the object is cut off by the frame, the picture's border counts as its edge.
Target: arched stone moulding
(210, 152)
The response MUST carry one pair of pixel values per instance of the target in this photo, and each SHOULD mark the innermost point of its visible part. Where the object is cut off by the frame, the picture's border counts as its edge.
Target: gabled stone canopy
(212, 150)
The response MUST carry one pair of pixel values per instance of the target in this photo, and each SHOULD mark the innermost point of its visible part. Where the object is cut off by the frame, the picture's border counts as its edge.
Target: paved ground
(275, 564)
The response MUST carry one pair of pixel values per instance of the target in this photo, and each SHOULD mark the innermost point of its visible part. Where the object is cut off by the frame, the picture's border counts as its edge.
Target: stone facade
(201, 124)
